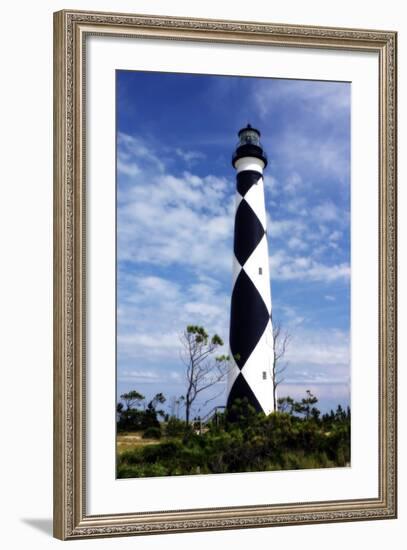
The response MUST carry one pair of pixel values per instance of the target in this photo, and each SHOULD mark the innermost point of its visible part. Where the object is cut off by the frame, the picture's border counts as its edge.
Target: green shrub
(131, 456)
(175, 427)
(141, 470)
(279, 441)
(153, 432)
(162, 452)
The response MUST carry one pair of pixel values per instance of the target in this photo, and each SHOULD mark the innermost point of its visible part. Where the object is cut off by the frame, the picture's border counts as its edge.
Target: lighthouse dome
(249, 145)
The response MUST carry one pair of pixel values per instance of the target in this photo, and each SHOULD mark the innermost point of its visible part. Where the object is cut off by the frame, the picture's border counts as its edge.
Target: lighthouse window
(260, 271)
(264, 375)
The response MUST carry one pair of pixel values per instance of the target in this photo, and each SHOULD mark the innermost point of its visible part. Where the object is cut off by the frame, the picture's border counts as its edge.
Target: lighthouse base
(241, 390)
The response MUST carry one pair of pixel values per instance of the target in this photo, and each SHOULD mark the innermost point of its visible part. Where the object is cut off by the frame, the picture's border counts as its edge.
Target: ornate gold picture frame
(72, 30)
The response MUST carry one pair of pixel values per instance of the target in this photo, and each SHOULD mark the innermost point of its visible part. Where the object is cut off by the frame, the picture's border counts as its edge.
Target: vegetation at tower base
(239, 440)
(152, 442)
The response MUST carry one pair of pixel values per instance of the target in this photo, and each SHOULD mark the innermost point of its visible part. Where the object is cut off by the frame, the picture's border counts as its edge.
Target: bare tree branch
(203, 370)
(281, 340)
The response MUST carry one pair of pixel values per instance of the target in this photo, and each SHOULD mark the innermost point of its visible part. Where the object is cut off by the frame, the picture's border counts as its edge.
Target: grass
(127, 441)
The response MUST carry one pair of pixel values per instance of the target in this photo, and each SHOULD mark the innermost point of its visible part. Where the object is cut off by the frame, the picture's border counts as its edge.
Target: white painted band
(249, 163)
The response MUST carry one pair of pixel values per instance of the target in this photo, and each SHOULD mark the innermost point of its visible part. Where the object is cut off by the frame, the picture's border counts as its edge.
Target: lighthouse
(251, 332)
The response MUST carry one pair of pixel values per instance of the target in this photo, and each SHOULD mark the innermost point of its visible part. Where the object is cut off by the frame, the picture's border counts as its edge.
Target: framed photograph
(224, 274)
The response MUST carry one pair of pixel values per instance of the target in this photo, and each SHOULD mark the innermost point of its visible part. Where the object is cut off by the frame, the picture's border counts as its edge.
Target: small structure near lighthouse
(251, 332)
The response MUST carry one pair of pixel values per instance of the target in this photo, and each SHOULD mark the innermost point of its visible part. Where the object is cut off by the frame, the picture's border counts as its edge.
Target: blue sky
(175, 212)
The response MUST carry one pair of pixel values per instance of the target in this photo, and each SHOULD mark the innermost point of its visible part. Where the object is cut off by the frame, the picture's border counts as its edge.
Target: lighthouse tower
(251, 333)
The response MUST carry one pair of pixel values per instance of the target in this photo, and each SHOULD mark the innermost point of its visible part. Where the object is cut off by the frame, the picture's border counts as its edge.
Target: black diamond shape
(248, 318)
(240, 390)
(248, 232)
(246, 179)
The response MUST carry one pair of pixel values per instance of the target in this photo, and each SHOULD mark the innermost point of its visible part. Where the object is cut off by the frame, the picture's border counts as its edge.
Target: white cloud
(305, 268)
(156, 343)
(316, 359)
(301, 147)
(147, 286)
(187, 221)
(335, 235)
(321, 99)
(325, 347)
(272, 185)
(169, 220)
(328, 159)
(297, 244)
(326, 212)
(146, 375)
(293, 182)
(285, 227)
(296, 206)
(291, 315)
(128, 168)
(151, 376)
(189, 156)
(131, 146)
(154, 311)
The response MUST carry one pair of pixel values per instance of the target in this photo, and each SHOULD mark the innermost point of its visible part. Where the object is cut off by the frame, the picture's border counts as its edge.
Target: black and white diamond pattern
(251, 334)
